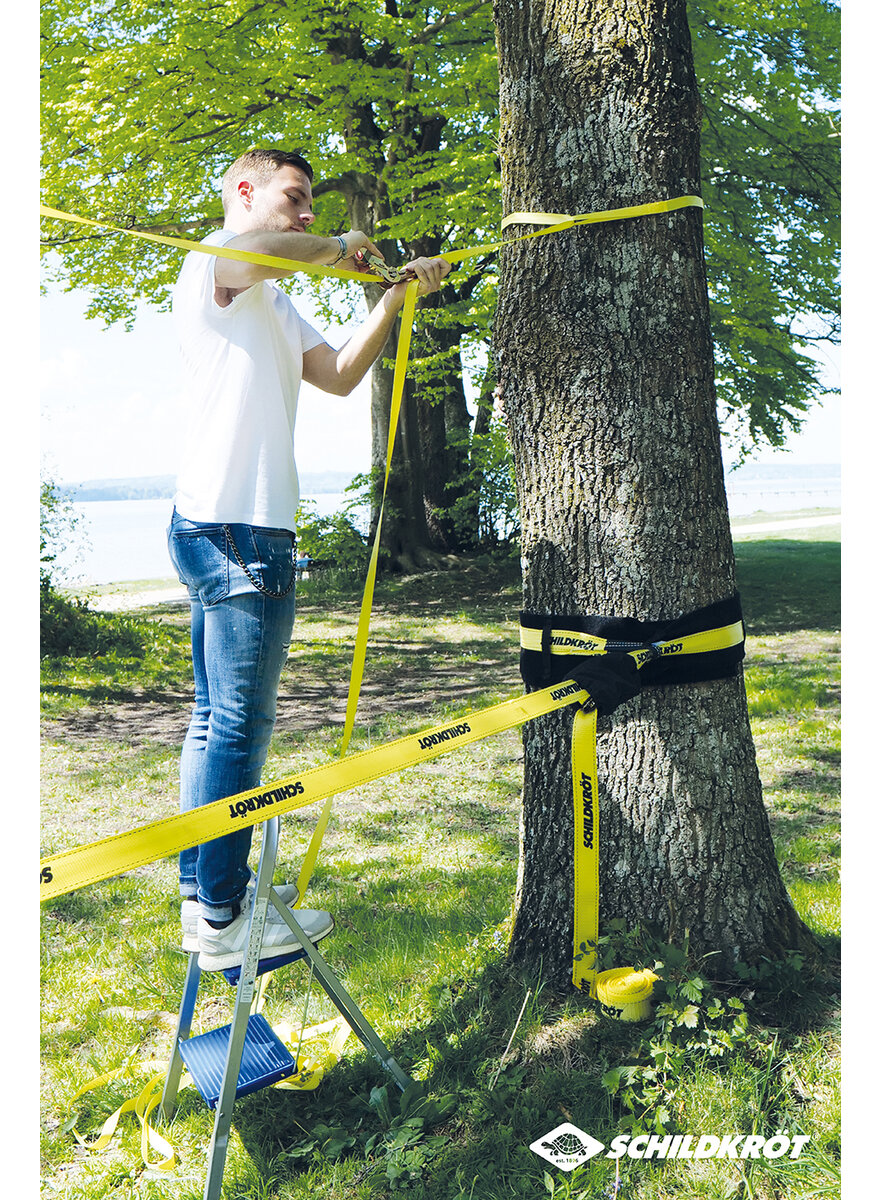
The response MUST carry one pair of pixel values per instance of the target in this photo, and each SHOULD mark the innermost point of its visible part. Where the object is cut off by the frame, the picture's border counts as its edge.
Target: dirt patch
(139, 721)
(402, 677)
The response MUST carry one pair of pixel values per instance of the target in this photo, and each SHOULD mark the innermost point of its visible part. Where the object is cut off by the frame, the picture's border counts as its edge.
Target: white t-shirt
(243, 368)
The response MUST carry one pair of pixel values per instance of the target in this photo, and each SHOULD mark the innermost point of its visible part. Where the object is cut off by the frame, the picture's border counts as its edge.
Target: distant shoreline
(162, 487)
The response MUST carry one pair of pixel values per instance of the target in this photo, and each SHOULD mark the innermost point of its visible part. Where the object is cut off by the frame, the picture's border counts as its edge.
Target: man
(246, 351)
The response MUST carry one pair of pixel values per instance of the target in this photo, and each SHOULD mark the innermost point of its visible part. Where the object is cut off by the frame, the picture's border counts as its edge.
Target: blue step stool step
(264, 1060)
(233, 974)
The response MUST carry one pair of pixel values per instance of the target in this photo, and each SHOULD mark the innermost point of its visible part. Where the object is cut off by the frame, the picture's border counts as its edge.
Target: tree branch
(429, 30)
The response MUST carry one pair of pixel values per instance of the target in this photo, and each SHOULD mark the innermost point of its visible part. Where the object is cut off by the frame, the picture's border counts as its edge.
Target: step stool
(264, 1060)
(247, 1055)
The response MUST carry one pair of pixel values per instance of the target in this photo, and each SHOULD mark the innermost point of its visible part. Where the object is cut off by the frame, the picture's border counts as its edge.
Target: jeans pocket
(200, 557)
(266, 557)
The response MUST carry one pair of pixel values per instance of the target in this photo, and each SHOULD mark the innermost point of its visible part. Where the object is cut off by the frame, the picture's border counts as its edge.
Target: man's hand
(357, 247)
(340, 371)
(430, 273)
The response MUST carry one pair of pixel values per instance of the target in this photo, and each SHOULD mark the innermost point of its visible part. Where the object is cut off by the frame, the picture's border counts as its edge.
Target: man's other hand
(430, 273)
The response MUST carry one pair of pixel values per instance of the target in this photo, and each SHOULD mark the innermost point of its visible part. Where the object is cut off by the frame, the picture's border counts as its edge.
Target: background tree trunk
(604, 360)
(426, 460)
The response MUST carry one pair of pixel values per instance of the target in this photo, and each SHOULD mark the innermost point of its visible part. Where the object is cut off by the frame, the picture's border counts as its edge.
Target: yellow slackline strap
(264, 260)
(318, 1049)
(561, 221)
(585, 789)
(142, 1105)
(571, 641)
(558, 222)
(357, 670)
(363, 630)
(90, 863)
(626, 993)
(585, 777)
(555, 222)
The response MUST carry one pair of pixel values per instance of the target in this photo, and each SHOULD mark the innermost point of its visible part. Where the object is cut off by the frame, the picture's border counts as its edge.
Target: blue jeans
(240, 641)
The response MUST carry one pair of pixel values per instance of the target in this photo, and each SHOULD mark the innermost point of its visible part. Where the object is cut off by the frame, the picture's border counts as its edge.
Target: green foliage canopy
(146, 104)
(395, 104)
(770, 87)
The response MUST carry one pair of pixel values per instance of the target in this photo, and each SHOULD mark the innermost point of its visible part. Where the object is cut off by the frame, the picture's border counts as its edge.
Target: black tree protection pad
(540, 668)
(611, 679)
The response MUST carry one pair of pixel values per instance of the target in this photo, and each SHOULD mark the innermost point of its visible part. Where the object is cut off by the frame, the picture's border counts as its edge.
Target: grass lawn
(419, 871)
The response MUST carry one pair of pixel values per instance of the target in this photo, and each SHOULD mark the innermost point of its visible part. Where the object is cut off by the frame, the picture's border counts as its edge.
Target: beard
(265, 216)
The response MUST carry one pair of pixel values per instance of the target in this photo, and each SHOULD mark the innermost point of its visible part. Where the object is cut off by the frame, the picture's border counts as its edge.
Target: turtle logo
(566, 1147)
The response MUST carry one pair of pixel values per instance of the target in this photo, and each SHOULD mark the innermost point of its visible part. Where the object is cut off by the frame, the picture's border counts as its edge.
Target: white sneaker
(190, 913)
(220, 949)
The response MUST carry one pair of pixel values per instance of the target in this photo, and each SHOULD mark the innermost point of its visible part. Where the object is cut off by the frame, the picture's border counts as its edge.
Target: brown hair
(259, 166)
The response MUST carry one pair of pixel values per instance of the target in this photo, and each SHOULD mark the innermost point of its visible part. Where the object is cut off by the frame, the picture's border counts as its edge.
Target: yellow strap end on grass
(626, 993)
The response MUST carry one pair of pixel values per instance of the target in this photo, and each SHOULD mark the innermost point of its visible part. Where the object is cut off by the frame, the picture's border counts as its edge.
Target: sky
(110, 402)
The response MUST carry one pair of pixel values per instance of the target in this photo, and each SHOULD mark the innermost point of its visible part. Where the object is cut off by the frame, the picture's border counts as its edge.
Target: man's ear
(245, 192)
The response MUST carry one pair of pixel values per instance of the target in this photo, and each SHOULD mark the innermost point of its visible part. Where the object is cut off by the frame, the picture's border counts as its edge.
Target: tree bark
(405, 536)
(604, 359)
(444, 423)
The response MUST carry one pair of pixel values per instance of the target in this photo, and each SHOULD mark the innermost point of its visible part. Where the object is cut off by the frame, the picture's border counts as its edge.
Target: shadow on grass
(398, 679)
(553, 1074)
(789, 585)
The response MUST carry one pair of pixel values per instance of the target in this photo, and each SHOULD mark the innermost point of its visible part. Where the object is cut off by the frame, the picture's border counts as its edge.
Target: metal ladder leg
(244, 995)
(345, 1005)
(264, 894)
(184, 1026)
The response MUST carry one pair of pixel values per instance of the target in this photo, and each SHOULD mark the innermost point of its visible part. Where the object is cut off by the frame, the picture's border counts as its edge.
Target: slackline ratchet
(69, 870)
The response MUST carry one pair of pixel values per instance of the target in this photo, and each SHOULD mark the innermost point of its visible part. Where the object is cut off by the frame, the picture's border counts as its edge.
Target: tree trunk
(604, 360)
(405, 536)
(444, 424)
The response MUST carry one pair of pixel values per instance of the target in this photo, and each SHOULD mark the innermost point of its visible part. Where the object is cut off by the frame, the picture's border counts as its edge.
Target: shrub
(68, 627)
(333, 541)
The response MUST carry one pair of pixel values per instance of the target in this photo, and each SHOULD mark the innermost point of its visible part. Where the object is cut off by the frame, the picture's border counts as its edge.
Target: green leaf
(379, 1100)
(689, 1017)
(693, 989)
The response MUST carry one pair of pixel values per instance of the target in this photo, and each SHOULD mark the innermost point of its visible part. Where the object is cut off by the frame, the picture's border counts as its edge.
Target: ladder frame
(264, 894)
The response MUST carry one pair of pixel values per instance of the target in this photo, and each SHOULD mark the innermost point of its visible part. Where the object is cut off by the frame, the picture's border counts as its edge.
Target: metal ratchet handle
(389, 274)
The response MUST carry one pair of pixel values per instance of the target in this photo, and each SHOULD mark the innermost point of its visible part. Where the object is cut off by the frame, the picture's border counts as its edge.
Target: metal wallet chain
(261, 587)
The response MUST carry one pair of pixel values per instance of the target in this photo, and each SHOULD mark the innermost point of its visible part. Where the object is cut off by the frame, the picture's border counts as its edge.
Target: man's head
(268, 189)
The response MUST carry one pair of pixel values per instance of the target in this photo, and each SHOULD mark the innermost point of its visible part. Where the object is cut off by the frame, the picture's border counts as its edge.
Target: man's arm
(340, 371)
(233, 277)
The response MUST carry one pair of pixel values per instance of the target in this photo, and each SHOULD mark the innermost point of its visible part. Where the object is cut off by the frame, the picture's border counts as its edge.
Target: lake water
(125, 539)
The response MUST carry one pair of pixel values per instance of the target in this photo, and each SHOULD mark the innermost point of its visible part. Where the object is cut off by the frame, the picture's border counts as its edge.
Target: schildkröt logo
(566, 1147)
(434, 739)
(587, 806)
(264, 799)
